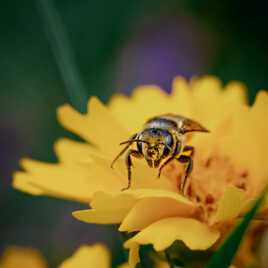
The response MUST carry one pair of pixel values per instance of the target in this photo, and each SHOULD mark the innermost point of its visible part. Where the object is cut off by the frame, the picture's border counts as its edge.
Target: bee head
(156, 145)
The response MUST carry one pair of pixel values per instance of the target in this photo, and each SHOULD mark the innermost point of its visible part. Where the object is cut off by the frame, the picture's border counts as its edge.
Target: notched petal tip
(206, 82)
(64, 110)
(27, 163)
(93, 103)
(179, 83)
(72, 120)
(20, 181)
(117, 99)
(148, 90)
(161, 234)
(96, 255)
(261, 100)
(236, 92)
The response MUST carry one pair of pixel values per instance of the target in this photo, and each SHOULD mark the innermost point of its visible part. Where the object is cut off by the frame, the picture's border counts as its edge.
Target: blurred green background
(65, 51)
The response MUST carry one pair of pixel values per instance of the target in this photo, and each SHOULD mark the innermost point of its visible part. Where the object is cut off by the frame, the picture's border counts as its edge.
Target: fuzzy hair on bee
(161, 140)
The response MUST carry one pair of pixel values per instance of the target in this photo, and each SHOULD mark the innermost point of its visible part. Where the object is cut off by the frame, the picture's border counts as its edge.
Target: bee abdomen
(162, 123)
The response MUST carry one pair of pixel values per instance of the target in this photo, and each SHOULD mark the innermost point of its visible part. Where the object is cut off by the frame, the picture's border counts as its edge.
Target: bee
(161, 140)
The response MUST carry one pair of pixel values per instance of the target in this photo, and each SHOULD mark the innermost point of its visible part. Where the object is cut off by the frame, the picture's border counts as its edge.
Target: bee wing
(184, 124)
(190, 125)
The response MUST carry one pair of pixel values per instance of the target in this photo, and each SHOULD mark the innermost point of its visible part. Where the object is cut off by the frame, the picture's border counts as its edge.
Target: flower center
(208, 180)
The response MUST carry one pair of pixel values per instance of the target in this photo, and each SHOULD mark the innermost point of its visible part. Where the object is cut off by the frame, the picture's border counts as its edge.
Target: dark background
(65, 51)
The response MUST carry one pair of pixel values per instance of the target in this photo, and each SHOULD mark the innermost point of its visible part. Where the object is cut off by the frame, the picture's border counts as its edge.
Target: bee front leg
(130, 153)
(129, 142)
(176, 151)
(189, 160)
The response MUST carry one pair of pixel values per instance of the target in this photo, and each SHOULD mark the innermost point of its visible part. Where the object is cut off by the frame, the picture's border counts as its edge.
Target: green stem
(171, 265)
(63, 53)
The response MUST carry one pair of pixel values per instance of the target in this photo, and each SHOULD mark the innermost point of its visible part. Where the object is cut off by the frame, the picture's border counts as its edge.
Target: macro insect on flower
(227, 177)
(162, 140)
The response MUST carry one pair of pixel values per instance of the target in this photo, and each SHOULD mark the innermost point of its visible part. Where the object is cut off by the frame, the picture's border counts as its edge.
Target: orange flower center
(208, 180)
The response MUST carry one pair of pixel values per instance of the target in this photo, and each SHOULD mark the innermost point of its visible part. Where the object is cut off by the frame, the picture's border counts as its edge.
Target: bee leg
(188, 148)
(189, 160)
(129, 143)
(176, 151)
(130, 153)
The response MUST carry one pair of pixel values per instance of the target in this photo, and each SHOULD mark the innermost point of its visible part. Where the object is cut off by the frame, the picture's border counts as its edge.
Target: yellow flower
(15, 257)
(86, 256)
(96, 255)
(229, 165)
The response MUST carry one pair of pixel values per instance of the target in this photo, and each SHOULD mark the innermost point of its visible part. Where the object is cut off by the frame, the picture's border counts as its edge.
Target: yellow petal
(75, 182)
(89, 256)
(259, 125)
(148, 96)
(181, 97)
(235, 95)
(230, 204)
(244, 139)
(119, 103)
(206, 96)
(14, 257)
(149, 210)
(142, 175)
(69, 151)
(260, 105)
(73, 120)
(98, 126)
(163, 233)
(138, 112)
(105, 216)
(108, 208)
(78, 181)
(247, 143)
(22, 182)
(146, 102)
(102, 199)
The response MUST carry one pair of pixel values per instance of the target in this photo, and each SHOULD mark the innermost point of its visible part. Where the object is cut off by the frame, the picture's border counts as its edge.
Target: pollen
(208, 180)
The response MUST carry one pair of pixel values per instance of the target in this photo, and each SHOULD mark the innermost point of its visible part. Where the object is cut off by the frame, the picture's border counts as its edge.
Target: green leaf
(61, 47)
(223, 257)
